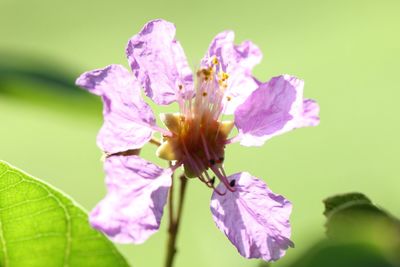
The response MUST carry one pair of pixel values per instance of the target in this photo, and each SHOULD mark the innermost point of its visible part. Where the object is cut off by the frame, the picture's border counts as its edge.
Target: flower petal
(137, 192)
(274, 108)
(310, 115)
(237, 61)
(128, 120)
(254, 219)
(159, 62)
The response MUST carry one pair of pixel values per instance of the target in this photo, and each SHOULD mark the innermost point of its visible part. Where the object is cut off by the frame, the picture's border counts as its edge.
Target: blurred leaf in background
(352, 218)
(359, 235)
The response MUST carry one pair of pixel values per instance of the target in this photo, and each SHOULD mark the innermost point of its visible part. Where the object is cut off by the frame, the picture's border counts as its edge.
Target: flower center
(198, 134)
(198, 143)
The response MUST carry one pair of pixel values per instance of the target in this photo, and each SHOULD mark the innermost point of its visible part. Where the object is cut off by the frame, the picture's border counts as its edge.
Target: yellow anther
(228, 98)
(204, 93)
(215, 61)
(206, 72)
(225, 76)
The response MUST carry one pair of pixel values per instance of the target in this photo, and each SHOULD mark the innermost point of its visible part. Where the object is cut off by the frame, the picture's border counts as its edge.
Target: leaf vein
(68, 235)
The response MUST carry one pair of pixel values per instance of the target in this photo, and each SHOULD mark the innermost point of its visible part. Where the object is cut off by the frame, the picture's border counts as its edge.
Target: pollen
(215, 61)
(206, 72)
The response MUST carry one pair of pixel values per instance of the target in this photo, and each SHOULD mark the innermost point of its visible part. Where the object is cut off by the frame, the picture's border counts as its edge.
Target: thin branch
(174, 225)
(171, 200)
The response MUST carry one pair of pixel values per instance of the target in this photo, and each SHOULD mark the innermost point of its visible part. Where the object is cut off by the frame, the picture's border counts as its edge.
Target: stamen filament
(161, 130)
(232, 140)
(223, 179)
(205, 146)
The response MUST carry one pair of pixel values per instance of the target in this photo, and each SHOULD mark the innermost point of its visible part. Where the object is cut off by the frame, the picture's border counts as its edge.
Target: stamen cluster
(198, 133)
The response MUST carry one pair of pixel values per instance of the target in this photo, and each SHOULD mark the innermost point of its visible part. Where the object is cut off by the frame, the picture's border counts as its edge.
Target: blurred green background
(348, 53)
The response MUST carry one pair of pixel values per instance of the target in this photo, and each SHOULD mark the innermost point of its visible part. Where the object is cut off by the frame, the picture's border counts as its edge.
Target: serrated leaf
(40, 226)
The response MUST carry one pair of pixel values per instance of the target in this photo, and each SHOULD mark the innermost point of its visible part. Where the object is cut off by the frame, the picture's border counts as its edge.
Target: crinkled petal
(137, 192)
(274, 108)
(310, 115)
(237, 61)
(128, 120)
(159, 62)
(254, 219)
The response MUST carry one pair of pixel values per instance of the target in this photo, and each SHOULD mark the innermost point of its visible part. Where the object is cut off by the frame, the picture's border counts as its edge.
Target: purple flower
(255, 219)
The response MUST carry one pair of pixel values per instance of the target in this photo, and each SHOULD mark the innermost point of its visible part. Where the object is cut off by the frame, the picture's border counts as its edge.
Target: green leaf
(353, 218)
(351, 212)
(327, 253)
(39, 226)
(344, 201)
(360, 234)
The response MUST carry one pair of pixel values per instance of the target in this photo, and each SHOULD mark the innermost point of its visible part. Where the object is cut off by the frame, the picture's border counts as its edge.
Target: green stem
(174, 222)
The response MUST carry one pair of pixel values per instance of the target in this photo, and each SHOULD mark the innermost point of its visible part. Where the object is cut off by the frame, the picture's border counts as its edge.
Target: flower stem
(175, 222)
